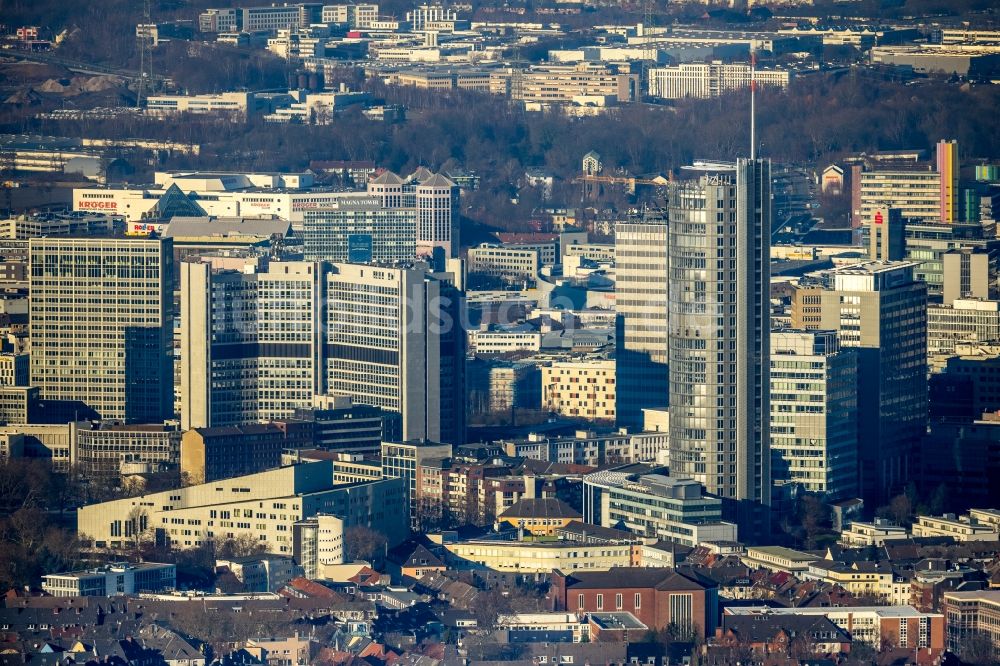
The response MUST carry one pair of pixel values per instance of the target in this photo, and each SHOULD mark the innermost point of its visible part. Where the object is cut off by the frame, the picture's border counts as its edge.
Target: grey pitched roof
(660, 578)
(387, 178)
(541, 507)
(437, 180)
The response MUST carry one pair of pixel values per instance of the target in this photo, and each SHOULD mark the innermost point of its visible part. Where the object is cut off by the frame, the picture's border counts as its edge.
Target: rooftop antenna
(753, 107)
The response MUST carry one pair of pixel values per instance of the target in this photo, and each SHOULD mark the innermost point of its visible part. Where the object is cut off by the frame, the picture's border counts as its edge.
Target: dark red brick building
(656, 596)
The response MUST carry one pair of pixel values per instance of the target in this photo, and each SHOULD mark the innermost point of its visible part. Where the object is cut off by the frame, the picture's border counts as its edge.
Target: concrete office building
(915, 191)
(879, 309)
(560, 84)
(52, 443)
(971, 272)
(235, 103)
(360, 231)
(273, 18)
(100, 323)
(927, 243)
(580, 389)
(219, 20)
(354, 16)
(814, 444)
(402, 460)
(116, 450)
(512, 263)
(641, 349)
(264, 505)
(27, 226)
(719, 319)
(710, 79)
(886, 235)
(112, 580)
(208, 454)
(588, 447)
(19, 404)
(15, 369)
(339, 424)
(249, 342)
(394, 339)
(972, 614)
(655, 505)
(259, 344)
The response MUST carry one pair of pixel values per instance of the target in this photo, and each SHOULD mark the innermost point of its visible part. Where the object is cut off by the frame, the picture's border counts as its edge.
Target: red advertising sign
(878, 217)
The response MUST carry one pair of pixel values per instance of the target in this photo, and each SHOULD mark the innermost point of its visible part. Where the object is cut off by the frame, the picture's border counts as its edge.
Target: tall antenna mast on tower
(144, 37)
(753, 102)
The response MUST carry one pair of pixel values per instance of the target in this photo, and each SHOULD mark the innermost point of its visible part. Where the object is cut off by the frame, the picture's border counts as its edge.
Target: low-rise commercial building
(503, 342)
(860, 534)
(905, 626)
(589, 448)
(115, 450)
(506, 262)
(969, 614)
(960, 529)
(233, 103)
(654, 505)
(112, 580)
(778, 558)
(539, 557)
(264, 505)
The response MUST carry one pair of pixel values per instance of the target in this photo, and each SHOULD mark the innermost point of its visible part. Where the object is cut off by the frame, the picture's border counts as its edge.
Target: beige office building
(264, 505)
(917, 193)
(881, 310)
(970, 272)
(101, 323)
(584, 389)
(507, 262)
(249, 345)
(563, 83)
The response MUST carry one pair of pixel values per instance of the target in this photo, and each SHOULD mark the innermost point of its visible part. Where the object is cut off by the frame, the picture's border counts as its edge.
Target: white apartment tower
(101, 316)
(718, 296)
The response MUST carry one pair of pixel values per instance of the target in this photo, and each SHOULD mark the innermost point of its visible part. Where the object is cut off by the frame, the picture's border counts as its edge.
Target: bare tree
(363, 543)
